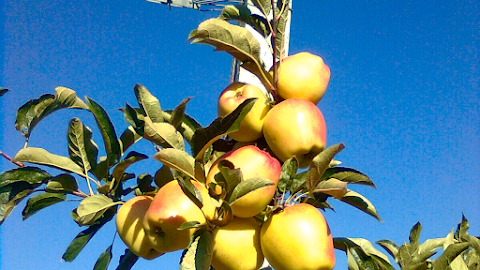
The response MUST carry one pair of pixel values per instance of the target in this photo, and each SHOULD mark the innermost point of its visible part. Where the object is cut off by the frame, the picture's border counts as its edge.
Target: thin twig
(18, 163)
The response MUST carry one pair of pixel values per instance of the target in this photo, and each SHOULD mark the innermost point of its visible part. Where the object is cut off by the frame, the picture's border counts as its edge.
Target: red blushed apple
(171, 208)
(252, 162)
(295, 127)
(303, 75)
(298, 237)
(251, 126)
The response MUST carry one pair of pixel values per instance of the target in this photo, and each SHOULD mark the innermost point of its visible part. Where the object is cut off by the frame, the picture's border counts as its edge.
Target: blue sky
(403, 96)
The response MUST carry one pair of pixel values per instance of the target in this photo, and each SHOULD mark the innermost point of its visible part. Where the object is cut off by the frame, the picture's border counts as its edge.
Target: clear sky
(404, 97)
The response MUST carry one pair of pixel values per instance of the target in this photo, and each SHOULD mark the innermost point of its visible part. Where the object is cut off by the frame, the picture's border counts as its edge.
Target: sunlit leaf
(32, 112)
(198, 256)
(178, 113)
(110, 140)
(390, 247)
(242, 13)
(187, 126)
(163, 134)
(191, 192)
(448, 256)
(332, 187)
(63, 183)
(148, 103)
(104, 259)
(128, 138)
(189, 225)
(131, 158)
(82, 149)
(92, 208)
(365, 245)
(43, 157)
(355, 199)
(178, 160)
(229, 177)
(348, 175)
(289, 170)
(320, 163)
(247, 186)
(204, 137)
(41, 201)
(30, 175)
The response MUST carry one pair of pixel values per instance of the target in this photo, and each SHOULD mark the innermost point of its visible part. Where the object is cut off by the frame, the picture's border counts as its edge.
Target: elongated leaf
(163, 134)
(127, 260)
(128, 138)
(264, 5)
(119, 170)
(390, 247)
(348, 175)
(3, 91)
(243, 13)
(282, 10)
(41, 201)
(135, 118)
(204, 137)
(320, 164)
(415, 234)
(191, 192)
(332, 187)
(453, 251)
(198, 256)
(104, 259)
(235, 40)
(110, 140)
(32, 112)
(229, 177)
(289, 170)
(178, 113)
(247, 186)
(43, 157)
(82, 239)
(63, 183)
(178, 160)
(92, 208)
(148, 103)
(343, 243)
(82, 149)
(187, 127)
(11, 196)
(30, 175)
(355, 199)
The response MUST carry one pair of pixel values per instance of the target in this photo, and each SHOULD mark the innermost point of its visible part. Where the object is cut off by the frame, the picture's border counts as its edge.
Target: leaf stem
(19, 164)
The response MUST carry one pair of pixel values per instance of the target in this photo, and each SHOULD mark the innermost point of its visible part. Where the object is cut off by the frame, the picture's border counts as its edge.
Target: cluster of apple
(292, 236)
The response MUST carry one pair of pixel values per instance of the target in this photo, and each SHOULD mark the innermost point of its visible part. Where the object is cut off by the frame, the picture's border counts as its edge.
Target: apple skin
(303, 75)
(252, 162)
(298, 238)
(295, 127)
(236, 246)
(231, 97)
(171, 208)
(130, 228)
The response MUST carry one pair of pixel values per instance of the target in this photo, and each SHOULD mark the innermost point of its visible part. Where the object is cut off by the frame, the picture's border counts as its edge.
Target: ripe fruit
(295, 127)
(303, 75)
(298, 238)
(236, 246)
(130, 228)
(170, 208)
(251, 126)
(252, 162)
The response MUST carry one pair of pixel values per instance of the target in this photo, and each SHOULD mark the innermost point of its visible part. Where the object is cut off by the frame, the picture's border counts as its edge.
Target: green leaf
(163, 176)
(355, 199)
(178, 113)
(92, 208)
(3, 91)
(332, 187)
(343, 243)
(82, 149)
(11, 196)
(289, 170)
(135, 118)
(163, 134)
(229, 177)
(204, 137)
(187, 126)
(131, 158)
(148, 103)
(128, 138)
(198, 256)
(110, 140)
(389, 246)
(127, 260)
(63, 183)
(320, 163)
(348, 175)
(178, 160)
(41, 201)
(415, 234)
(281, 26)
(82, 239)
(43, 157)
(448, 256)
(242, 13)
(189, 225)
(191, 191)
(247, 186)
(144, 183)
(104, 259)
(32, 112)
(30, 175)
(235, 40)
(264, 5)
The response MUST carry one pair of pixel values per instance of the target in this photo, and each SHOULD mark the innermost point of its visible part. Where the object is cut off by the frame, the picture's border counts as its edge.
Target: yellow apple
(130, 228)
(252, 162)
(295, 127)
(303, 75)
(298, 238)
(236, 246)
(231, 97)
(171, 208)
